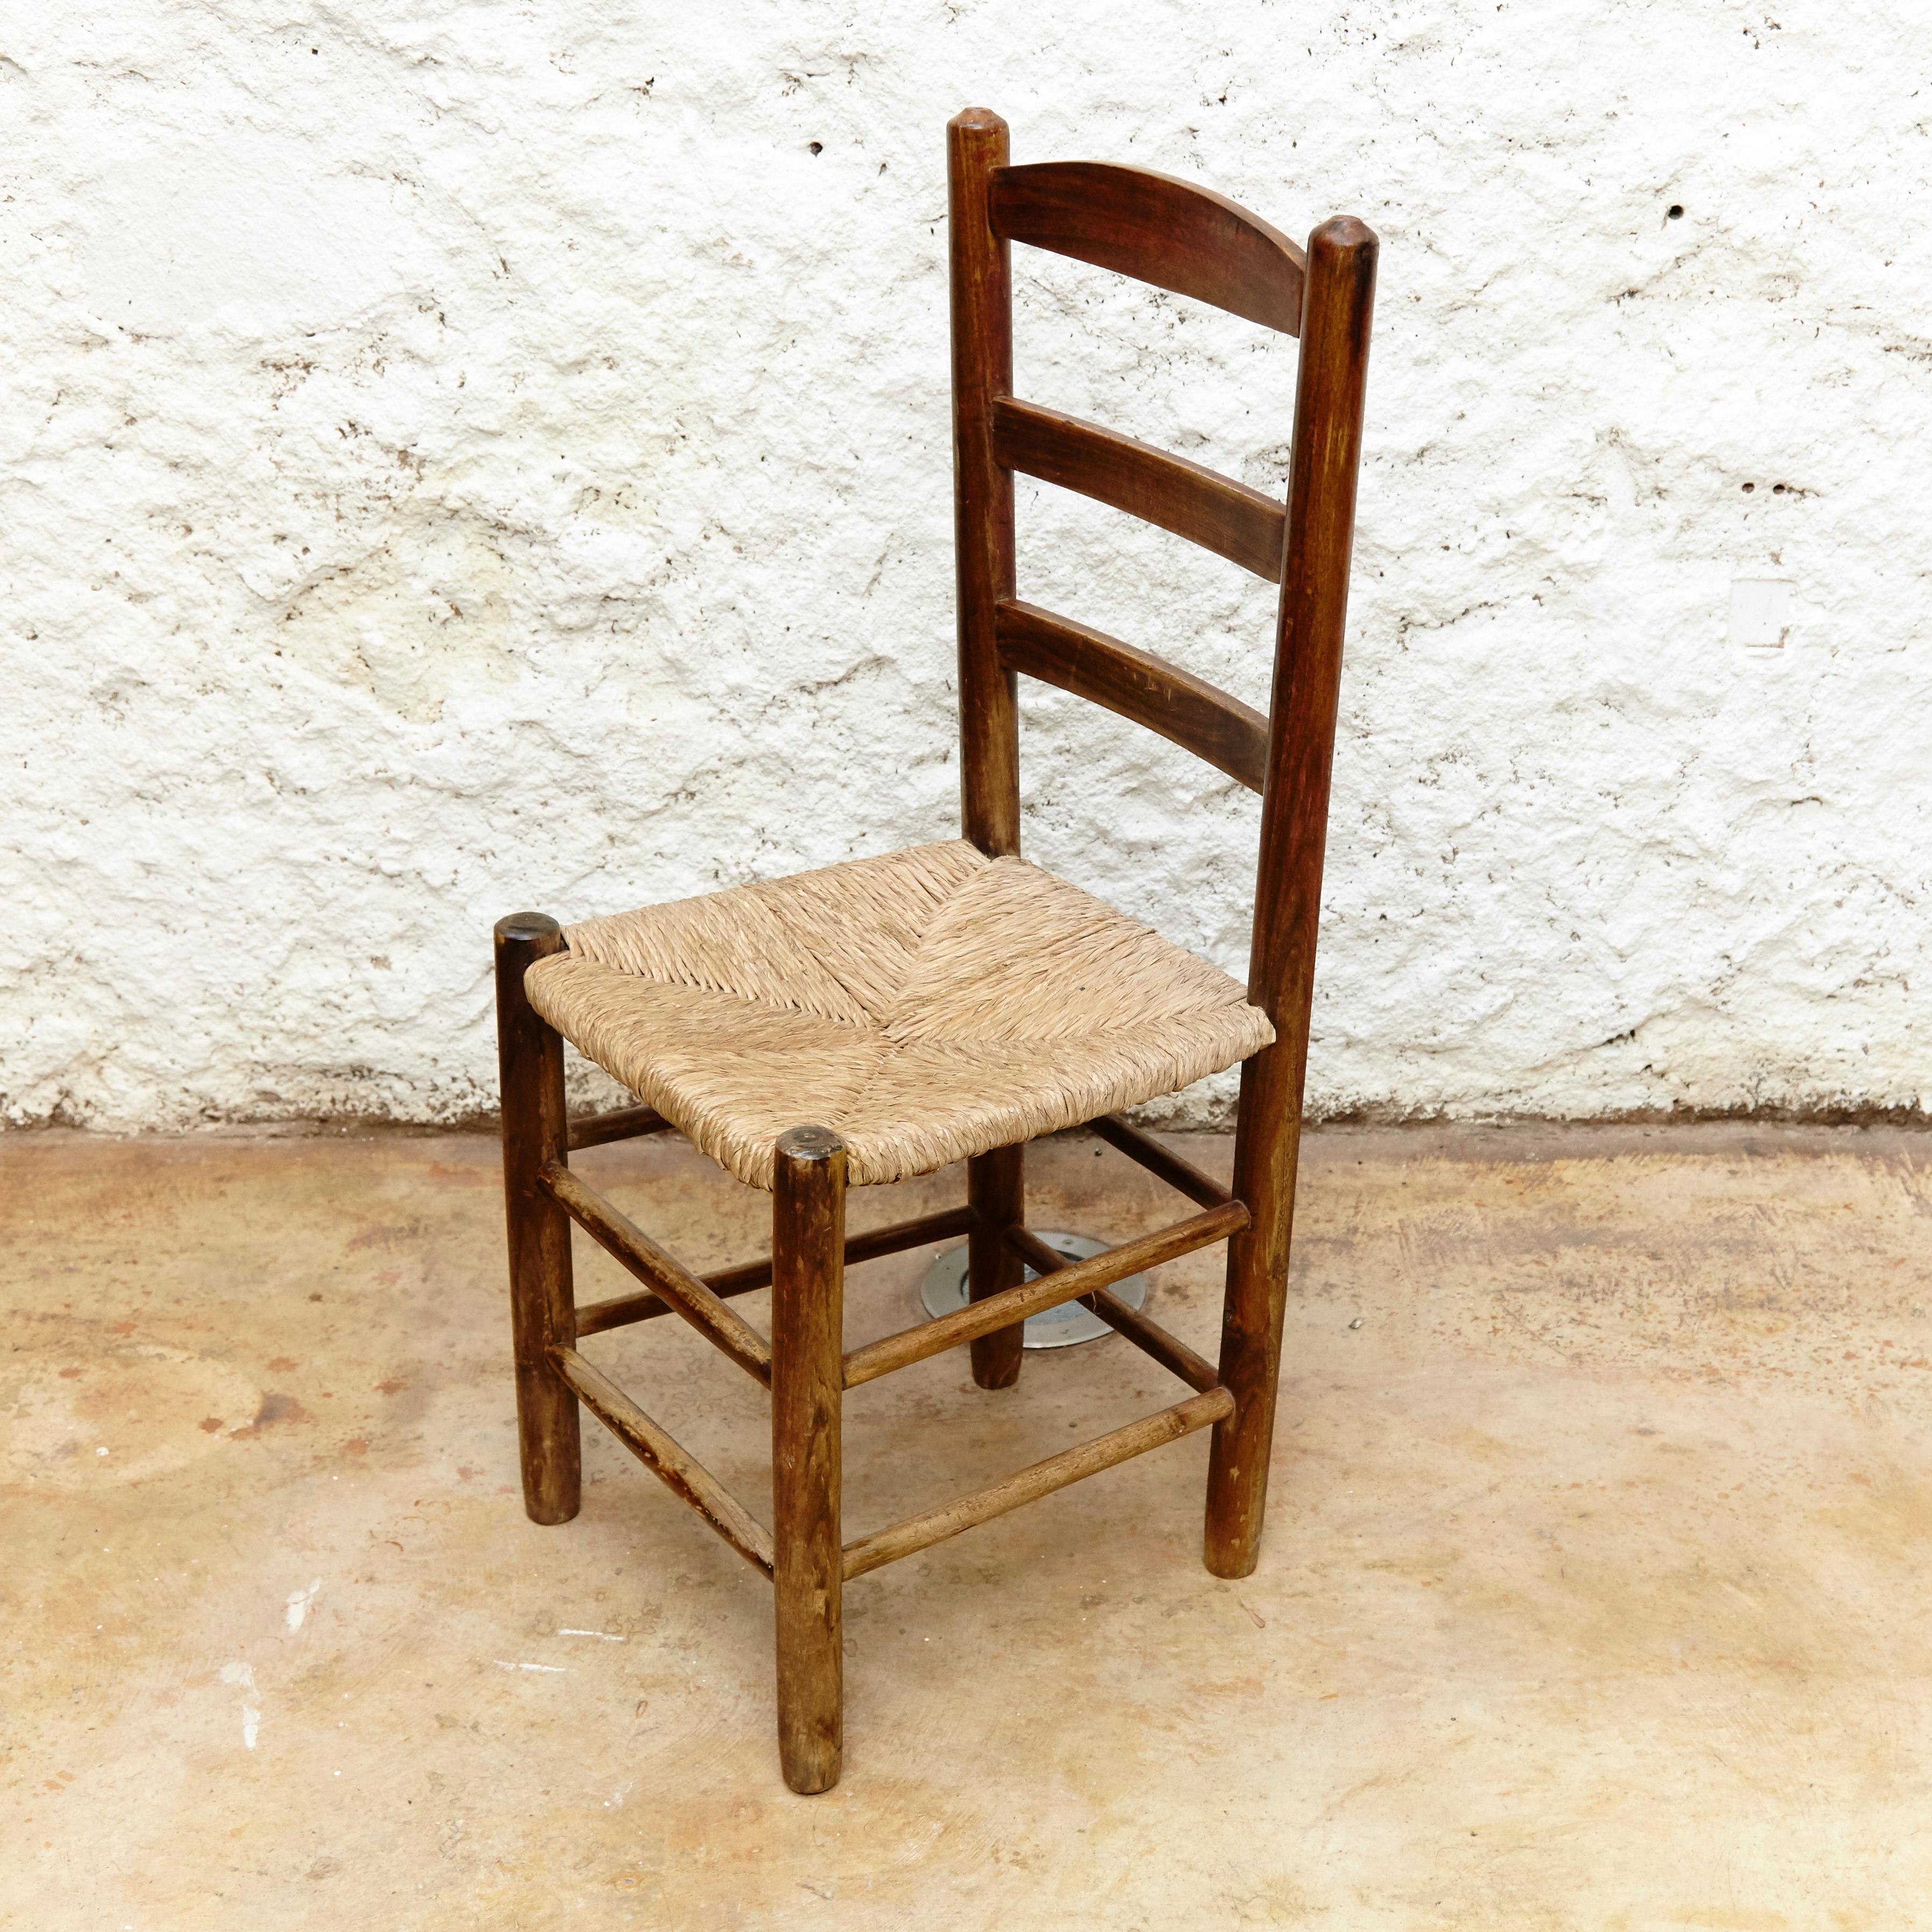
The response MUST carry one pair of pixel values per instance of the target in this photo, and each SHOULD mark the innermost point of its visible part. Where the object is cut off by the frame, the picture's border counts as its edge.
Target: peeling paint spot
(244, 1675)
(298, 1604)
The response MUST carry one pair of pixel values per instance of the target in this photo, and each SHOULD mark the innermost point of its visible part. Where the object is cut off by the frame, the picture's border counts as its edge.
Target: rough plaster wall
(463, 458)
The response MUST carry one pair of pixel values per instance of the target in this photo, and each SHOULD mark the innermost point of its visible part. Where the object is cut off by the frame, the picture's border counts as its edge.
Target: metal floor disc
(942, 1290)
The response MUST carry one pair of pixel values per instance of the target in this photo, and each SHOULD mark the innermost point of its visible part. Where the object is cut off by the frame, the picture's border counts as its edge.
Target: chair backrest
(1188, 239)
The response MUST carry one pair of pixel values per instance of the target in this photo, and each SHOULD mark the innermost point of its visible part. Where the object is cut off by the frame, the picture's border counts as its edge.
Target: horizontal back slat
(1211, 510)
(1181, 707)
(1156, 229)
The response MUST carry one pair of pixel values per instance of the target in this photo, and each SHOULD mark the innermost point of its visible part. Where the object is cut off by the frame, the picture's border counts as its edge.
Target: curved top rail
(1157, 229)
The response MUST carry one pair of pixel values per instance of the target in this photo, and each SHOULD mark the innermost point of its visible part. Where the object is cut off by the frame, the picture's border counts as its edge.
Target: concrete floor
(1595, 1593)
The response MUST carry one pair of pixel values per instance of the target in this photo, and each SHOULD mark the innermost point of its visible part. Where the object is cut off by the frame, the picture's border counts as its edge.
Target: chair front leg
(543, 1309)
(996, 1188)
(808, 1395)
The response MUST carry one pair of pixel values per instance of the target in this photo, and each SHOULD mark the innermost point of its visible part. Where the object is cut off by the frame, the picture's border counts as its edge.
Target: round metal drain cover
(943, 1291)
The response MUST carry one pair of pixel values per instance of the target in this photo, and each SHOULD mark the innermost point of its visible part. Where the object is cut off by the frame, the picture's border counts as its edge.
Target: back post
(1336, 308)
(989, 742)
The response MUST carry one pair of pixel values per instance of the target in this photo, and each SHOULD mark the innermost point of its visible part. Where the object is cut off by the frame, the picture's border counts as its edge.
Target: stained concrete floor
(1595, 1594)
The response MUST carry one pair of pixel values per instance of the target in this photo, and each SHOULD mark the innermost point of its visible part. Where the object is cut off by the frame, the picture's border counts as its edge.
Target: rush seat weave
(926, 1005)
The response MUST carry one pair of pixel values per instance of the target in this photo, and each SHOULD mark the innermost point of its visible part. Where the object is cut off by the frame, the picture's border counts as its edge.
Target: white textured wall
(463, 457)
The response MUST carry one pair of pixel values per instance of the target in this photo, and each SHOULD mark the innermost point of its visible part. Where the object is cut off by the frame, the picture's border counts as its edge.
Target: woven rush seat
(927, 1005)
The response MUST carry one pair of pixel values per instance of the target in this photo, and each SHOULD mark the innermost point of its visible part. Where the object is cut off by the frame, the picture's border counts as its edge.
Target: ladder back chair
(884, 1017)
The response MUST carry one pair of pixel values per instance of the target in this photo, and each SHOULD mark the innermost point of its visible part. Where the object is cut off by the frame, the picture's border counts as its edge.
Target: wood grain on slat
(1186, 709)
(1015, 1304)
(1146, 1334)
(621, 1123)
(682, 1474)
(663, 1274)
(921, 1532)
(1200, 505)
(1158, 229)
(748, 1277)
(1164, 1164)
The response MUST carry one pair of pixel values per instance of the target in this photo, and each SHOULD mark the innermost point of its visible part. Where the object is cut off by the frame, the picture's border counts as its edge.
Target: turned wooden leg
(996, 1188)
(807, 1390)
(1265, 1148)
(542, 1305)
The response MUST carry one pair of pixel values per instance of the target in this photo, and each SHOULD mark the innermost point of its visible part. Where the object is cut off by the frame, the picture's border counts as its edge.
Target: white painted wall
(464, 457)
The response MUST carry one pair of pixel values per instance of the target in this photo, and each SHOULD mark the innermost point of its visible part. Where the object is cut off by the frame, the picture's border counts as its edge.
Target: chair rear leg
(542, 1301)
(996, 1188)
(808, 1395)
(1266, 1147)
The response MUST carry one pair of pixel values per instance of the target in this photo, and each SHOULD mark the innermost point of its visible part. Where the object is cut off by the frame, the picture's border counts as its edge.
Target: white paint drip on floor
(603, 1636)
(299, 1601)
(244, 1675)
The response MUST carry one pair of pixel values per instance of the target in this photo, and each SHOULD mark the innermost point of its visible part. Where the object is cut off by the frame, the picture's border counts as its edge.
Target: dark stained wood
(1183, 708)
(996, 1193)
(989, 744)
(1033, 1297)
(1163, 1162)
(866, 1247)
(669, 1280)
(807, 1311)
(1151, 1338)
(680, 1472)
(593, 1318)
(983, 371)
(1294, 817)
(1148, 1336)
(530, 1066)
(900, 1235)
(621, 1123)
(1208, 508)
(921, 1532)
(1158, 229)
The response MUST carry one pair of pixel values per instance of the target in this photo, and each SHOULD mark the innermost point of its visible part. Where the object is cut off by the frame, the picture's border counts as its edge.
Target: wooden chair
(950, 1002)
